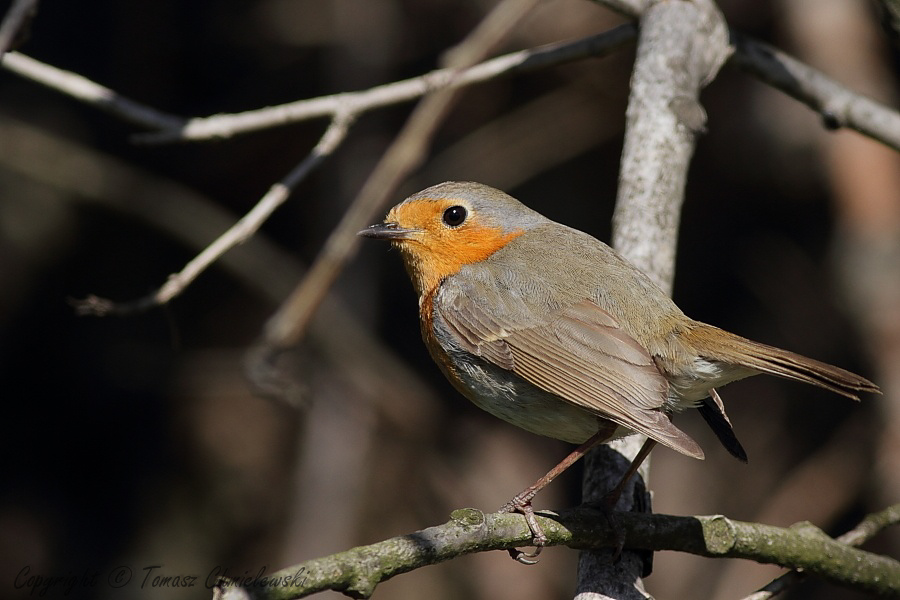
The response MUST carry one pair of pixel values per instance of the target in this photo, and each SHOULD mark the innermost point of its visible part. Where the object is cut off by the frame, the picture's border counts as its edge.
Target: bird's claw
(539, 539)
(526, 558)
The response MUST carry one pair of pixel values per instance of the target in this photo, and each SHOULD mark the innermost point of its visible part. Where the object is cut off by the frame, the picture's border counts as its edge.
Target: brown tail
(736, 350)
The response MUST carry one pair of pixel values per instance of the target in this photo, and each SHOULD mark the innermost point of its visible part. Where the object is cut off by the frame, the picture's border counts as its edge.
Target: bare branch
(227, 125)
(358, 571)
(870, 526)
(89, 92)
(237, 234)
(172, 128)
(663, 118)
(838, 105)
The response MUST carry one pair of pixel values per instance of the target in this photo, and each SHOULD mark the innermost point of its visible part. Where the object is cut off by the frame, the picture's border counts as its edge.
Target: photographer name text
(152, 577)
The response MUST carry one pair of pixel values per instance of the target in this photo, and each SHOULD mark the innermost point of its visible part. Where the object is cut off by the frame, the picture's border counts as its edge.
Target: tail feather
(713, 412)
(790, 365)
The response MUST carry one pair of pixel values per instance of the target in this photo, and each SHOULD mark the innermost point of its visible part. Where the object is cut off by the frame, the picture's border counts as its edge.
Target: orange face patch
(438, 250)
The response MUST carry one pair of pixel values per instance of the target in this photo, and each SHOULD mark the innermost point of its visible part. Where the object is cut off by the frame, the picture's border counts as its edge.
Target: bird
(551, 330)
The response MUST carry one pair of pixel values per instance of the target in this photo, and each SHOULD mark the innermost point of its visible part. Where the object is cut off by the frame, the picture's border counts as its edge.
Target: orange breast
(437, 352)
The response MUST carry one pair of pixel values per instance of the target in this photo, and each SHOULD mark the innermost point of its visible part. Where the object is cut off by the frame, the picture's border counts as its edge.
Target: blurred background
(138, 441)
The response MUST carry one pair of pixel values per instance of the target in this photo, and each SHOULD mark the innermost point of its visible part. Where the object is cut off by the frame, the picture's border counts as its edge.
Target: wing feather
(579, 353)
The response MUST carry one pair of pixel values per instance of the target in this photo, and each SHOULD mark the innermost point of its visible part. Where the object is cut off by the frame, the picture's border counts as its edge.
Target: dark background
(137, 441)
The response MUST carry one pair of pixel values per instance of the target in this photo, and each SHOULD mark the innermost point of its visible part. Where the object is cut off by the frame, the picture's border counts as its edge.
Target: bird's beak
(388, 231)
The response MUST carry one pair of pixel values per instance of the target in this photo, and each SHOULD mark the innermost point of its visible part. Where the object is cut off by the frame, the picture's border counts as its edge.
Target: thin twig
(407, 151)
(871, 525)
(838, 105)
(87, 91)
(16, 17)
(170, 128)
(237, 234)
(407, 90)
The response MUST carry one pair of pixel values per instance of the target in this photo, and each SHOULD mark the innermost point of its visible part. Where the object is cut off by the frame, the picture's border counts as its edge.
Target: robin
(551, 330)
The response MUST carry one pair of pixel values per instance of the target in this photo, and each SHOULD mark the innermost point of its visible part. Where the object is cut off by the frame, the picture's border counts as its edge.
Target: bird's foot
(522, 504)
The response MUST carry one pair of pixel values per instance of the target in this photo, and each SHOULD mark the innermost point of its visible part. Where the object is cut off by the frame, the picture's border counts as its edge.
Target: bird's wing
(578, 352)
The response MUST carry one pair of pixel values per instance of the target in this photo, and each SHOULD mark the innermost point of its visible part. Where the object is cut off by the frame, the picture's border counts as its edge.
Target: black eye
(455, 215)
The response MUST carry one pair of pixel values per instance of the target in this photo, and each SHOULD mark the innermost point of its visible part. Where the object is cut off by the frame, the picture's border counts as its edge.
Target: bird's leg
(521, 503)
(526, 495)
(612, 496)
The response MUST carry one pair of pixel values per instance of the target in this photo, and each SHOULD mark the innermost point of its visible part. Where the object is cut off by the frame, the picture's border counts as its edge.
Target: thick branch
(358, 571)
(663, 118)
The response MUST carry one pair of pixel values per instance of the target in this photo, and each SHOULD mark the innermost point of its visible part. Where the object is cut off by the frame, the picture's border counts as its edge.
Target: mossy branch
(356, 572)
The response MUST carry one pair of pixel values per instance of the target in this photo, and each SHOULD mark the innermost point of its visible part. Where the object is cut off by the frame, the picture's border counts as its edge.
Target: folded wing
(579, 353)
